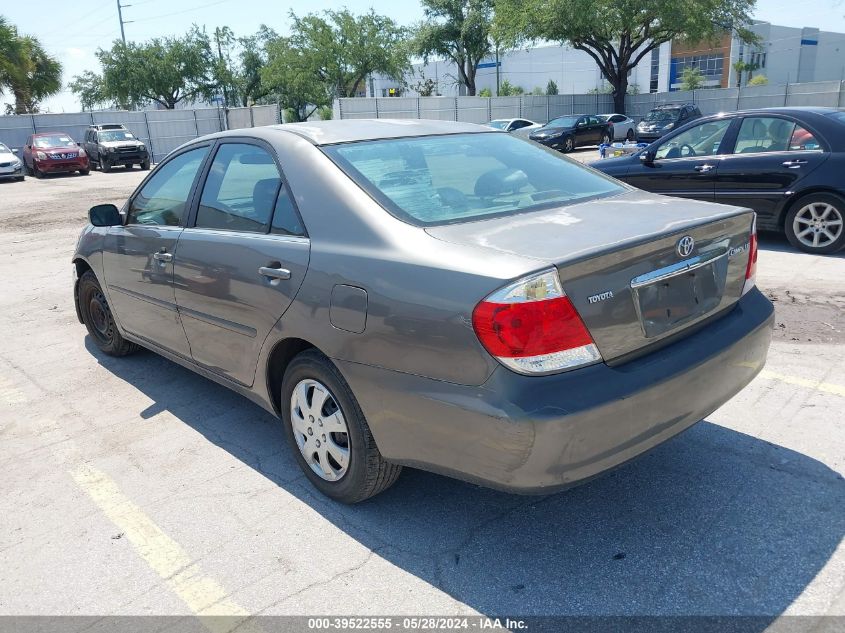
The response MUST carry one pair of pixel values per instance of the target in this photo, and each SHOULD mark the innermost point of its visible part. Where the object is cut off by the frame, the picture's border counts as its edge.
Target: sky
(72, 31)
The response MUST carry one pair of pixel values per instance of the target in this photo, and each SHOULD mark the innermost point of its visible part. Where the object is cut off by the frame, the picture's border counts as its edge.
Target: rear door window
(241, 189)
(773, 134)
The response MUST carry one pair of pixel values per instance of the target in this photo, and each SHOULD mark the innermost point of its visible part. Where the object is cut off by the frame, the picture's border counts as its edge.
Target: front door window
(698, 141)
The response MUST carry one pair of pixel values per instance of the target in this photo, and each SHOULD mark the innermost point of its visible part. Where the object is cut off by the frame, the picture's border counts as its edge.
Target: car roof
(351, 130)
(787, 110)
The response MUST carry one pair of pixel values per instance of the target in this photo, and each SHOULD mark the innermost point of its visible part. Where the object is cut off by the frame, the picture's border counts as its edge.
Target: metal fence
(161, 130)
(544, 108)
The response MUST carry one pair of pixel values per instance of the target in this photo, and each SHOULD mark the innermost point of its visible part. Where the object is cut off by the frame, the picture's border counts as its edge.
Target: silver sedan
(430, 294)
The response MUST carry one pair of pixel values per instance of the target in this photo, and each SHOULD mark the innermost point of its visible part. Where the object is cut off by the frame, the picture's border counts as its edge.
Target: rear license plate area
(670, 302)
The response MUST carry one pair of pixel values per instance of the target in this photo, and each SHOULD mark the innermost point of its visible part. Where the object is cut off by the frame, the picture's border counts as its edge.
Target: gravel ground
(133, 486)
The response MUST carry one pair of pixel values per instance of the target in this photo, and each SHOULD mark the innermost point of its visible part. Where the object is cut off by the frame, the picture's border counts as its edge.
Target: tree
(291, 75)
(618, 34)
(551, 87)
(165, 70)
(89, 89)
(507, 89)
(485, 92)
(741, 67)
(758, 80)
(692, 78)
(343, 49)
(425, 87)
(457, 30)
(27, 71)
(237, 69)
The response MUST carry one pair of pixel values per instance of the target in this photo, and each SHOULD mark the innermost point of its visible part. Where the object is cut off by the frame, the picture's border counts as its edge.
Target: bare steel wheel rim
(817, 224)
(319, 427)
(98, 313)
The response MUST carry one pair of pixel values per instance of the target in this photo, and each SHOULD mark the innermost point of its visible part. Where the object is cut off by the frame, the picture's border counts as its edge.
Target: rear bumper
(541, 434)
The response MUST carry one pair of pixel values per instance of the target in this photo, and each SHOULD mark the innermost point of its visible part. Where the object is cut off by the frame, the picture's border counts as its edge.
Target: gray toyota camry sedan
(430, 294)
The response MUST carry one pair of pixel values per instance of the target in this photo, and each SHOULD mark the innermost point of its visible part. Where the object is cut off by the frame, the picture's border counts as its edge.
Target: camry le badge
(685, 246)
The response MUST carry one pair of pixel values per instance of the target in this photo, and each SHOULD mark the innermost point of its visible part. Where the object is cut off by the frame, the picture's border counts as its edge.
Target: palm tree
(27, 71)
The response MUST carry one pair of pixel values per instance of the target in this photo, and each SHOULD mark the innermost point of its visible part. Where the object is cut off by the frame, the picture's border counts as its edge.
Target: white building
(784, 55)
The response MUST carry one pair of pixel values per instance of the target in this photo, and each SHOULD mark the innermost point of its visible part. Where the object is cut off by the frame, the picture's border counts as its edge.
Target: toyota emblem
(685, 246)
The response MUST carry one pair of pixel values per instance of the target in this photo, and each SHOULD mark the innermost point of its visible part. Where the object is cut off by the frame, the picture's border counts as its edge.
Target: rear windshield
(499, 125)
(433, 180)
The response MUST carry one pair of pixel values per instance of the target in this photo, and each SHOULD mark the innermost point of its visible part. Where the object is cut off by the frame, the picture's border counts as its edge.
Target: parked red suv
(53, 152)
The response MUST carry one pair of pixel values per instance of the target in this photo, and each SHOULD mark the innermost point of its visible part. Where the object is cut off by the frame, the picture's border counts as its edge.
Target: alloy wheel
(818, 224)
(319, 427)
(569, 145)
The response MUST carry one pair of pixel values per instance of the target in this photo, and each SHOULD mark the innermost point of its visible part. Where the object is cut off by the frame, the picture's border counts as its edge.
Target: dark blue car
(784, 163)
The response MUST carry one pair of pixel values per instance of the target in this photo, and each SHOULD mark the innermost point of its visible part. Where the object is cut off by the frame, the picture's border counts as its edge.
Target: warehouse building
(783, 54)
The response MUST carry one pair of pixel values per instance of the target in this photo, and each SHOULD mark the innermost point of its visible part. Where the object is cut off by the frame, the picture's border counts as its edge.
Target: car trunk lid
(622, 263)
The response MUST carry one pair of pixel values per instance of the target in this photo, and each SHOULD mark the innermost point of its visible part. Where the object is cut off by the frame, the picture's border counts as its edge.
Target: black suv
(112, 144)
(665, 118)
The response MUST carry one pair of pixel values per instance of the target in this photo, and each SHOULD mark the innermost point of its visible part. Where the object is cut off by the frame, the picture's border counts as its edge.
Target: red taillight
(751, 267)
(531, 326)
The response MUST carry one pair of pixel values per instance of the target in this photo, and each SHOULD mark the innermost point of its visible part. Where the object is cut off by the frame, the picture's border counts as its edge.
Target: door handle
(274, 273)
(703, 168)
(163, 257)
(794, 164)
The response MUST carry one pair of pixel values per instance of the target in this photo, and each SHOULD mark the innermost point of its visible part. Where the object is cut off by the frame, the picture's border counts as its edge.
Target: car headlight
(668, 126)
(112, 150)
(16, 164)
(40, 155)
(82, 153)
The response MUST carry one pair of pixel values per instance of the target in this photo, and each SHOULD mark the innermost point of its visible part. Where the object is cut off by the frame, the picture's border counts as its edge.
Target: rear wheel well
(281, 356)
(803, 194)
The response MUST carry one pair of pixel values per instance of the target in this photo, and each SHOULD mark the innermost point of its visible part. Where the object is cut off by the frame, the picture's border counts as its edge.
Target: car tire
(816, 224)
(145, 165)
(630, 136)
(105, 165)
(27, 169)
(98, 318)
(605, 138)
(568, 145)
(366, 473)
(20, 178)
(84, 172)
(37, 172)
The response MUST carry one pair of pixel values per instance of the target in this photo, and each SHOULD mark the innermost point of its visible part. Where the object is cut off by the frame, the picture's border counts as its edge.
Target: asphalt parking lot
(133, 486)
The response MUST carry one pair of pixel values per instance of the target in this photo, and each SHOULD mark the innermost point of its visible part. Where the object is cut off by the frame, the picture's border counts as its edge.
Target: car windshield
(498, 124)
(116, 135)
(53, 140)
(661, 116)
(564, 121)
(436, 180)
(4, 149)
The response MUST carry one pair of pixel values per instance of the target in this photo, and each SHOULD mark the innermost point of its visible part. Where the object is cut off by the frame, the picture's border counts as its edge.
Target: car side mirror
(14, 151)
(647, 156)
(105, 215)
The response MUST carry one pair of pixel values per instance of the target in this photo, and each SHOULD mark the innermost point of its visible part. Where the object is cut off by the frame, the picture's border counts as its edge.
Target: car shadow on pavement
(713, 522)
(775, 241)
